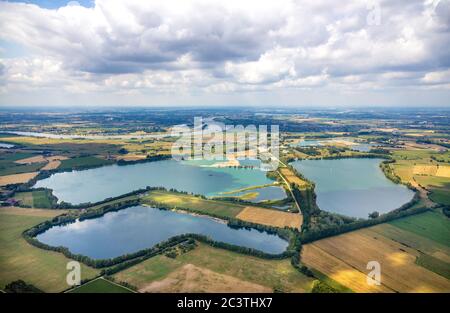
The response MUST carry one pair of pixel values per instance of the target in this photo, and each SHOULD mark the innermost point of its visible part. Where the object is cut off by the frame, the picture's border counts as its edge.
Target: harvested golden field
(341, 272)
(344, 259)
(291, 177)
(190, 278)
(17, 178)
(34, 159)
(242, 270)
(432, 170)
(20, 260)
(52, 165)
(132, 157)
(443, 171)
(56, 158)
(425, 170)
(53, 162)
(270, 217)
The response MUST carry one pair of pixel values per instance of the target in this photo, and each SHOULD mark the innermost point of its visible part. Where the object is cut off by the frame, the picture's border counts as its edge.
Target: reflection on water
(109, 181)
(353, 187)
(141, 227)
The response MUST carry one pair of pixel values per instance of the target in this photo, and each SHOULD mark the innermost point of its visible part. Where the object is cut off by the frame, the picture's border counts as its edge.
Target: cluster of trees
(379, 151)
(316, 234)
(388, 172)
(65, 205)
(308, 151)
(240, 249)
(321, 287)
(149, 158)
(446, 210)
(19, 286)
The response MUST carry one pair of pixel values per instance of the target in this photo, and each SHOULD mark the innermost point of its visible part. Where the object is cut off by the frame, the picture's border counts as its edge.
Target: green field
(274, 274)
(36, 199)
(441, 195)
(100, 285)
(171, 199)
(19, 260)
(330, 282)
(25, 198)
(413, 154)
(10, 156)
(83, 162)
(434, 264)
(412, 240)
(14, 168)
(8, 167)
(430, 225)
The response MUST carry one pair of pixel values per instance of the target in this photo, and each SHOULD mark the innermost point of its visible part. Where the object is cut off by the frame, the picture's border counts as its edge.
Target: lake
(362, 147)
(6, 145)
(353, 187)
(268, 193)
(140, 227)
(309, 143)
(97, 184)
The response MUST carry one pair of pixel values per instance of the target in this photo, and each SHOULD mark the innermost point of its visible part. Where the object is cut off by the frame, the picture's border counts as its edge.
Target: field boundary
(95, 279)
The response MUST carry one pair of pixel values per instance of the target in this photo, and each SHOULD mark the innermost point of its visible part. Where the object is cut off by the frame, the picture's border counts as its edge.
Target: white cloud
(200, 47)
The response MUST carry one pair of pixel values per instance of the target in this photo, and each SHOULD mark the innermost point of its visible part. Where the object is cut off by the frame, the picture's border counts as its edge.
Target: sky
(322, 53)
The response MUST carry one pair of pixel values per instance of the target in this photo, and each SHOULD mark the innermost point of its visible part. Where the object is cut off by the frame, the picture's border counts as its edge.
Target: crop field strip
(270, 217)
(172, 199)
(235, 271)
(20, 260)
(420, 168)
(17, 178)
(343, 258)
(100, 285)
(265, 216)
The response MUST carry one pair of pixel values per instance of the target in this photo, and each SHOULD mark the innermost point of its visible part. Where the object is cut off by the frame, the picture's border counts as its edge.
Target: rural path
(423, 194)
(290, 190)
(287, 183)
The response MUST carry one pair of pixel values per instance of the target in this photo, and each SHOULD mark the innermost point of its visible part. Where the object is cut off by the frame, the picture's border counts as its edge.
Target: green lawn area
(275, 274)
(8, 167)
(19, 260)
(172, 199)
(412, 240)
(14, 168)
(14, 156)
(435, 265)
(430, 225)
(123, 199)
(36, 199)
(100, 285)
(83, 162)
(415, 154)
(25, 198)
(441, 195)
(41, 199)
(436, 181)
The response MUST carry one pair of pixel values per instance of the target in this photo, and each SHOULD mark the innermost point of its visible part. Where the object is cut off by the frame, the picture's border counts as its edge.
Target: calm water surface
(109, 181)
(141, 227)
(353, 187)
(6, 145)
